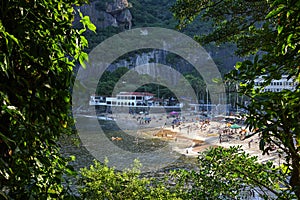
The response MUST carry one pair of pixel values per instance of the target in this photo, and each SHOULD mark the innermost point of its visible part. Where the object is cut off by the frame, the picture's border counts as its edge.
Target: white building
(133, 98)
(123, 99)
(276, 85)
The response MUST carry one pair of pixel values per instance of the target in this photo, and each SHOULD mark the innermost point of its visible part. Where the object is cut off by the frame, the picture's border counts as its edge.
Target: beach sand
(191, 137)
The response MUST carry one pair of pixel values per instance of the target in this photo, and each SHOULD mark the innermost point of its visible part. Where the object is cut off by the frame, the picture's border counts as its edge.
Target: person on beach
(249, 143)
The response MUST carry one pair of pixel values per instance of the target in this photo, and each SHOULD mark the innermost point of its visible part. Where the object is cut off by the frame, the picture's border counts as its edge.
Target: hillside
(153, 13)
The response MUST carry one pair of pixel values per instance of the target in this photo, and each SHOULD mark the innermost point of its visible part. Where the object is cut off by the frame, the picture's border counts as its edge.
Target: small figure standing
(249, 143)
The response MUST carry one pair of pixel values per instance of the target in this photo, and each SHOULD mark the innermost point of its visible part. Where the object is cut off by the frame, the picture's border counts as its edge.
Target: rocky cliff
(104, 14)
(118, 13)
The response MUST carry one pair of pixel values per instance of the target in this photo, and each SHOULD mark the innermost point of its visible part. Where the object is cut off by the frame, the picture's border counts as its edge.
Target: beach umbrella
(235, 126)
(173, 113)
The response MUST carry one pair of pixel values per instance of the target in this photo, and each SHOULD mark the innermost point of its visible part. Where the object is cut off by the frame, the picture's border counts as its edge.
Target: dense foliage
(103, 182)
(232, 174)
(221, 174)
(268, 30)
(38, 52)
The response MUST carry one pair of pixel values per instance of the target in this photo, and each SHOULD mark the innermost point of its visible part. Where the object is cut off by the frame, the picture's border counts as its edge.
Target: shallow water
(95, 138)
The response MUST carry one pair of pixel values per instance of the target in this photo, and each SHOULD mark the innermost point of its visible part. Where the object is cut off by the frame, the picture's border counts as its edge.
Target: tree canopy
(38, 51)
(268, 32)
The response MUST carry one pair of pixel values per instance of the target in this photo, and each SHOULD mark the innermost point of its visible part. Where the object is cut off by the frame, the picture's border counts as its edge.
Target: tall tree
(38, 52)
(269, 31)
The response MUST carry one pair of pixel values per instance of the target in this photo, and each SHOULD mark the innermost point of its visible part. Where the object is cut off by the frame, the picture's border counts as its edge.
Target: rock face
(116, 6)
(144, 63)
(115, 13)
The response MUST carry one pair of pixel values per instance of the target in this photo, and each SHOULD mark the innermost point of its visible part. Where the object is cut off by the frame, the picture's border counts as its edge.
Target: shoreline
(191, 137)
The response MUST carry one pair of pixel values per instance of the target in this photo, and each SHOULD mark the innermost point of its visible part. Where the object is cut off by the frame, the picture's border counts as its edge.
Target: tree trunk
(295, 176)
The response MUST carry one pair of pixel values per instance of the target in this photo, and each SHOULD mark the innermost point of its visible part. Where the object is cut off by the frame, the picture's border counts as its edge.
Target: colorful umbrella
(235, 126)
(173, 112)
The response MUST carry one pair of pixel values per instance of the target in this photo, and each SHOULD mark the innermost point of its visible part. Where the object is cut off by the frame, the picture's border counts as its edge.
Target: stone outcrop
(119, 10)
(117, 6)
(115, 14)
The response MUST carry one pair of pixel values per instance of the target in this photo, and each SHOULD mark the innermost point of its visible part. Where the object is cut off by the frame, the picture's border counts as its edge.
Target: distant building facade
(122, 99)
(276, 85)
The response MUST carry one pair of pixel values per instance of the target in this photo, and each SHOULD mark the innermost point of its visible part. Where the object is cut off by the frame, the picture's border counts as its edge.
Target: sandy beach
(194, 135)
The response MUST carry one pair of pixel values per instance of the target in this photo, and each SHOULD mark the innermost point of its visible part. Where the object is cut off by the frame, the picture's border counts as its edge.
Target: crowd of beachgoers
(191, 134)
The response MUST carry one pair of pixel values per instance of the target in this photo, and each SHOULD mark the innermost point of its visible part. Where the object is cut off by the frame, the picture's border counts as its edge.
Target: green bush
(103, 182)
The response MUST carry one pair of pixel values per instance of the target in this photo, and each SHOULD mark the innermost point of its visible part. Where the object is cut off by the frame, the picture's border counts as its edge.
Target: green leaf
(87, 22)
(13, 38)
(82, 58)
(70, 170)
(238, 65)
(275, 12)
(279, 29)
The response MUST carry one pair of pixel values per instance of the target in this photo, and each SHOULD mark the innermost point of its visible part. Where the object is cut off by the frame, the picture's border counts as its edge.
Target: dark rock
(116, 14)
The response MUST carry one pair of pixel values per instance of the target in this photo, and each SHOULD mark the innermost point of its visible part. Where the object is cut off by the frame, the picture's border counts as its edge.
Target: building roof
(156, 99)
(135, 94)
